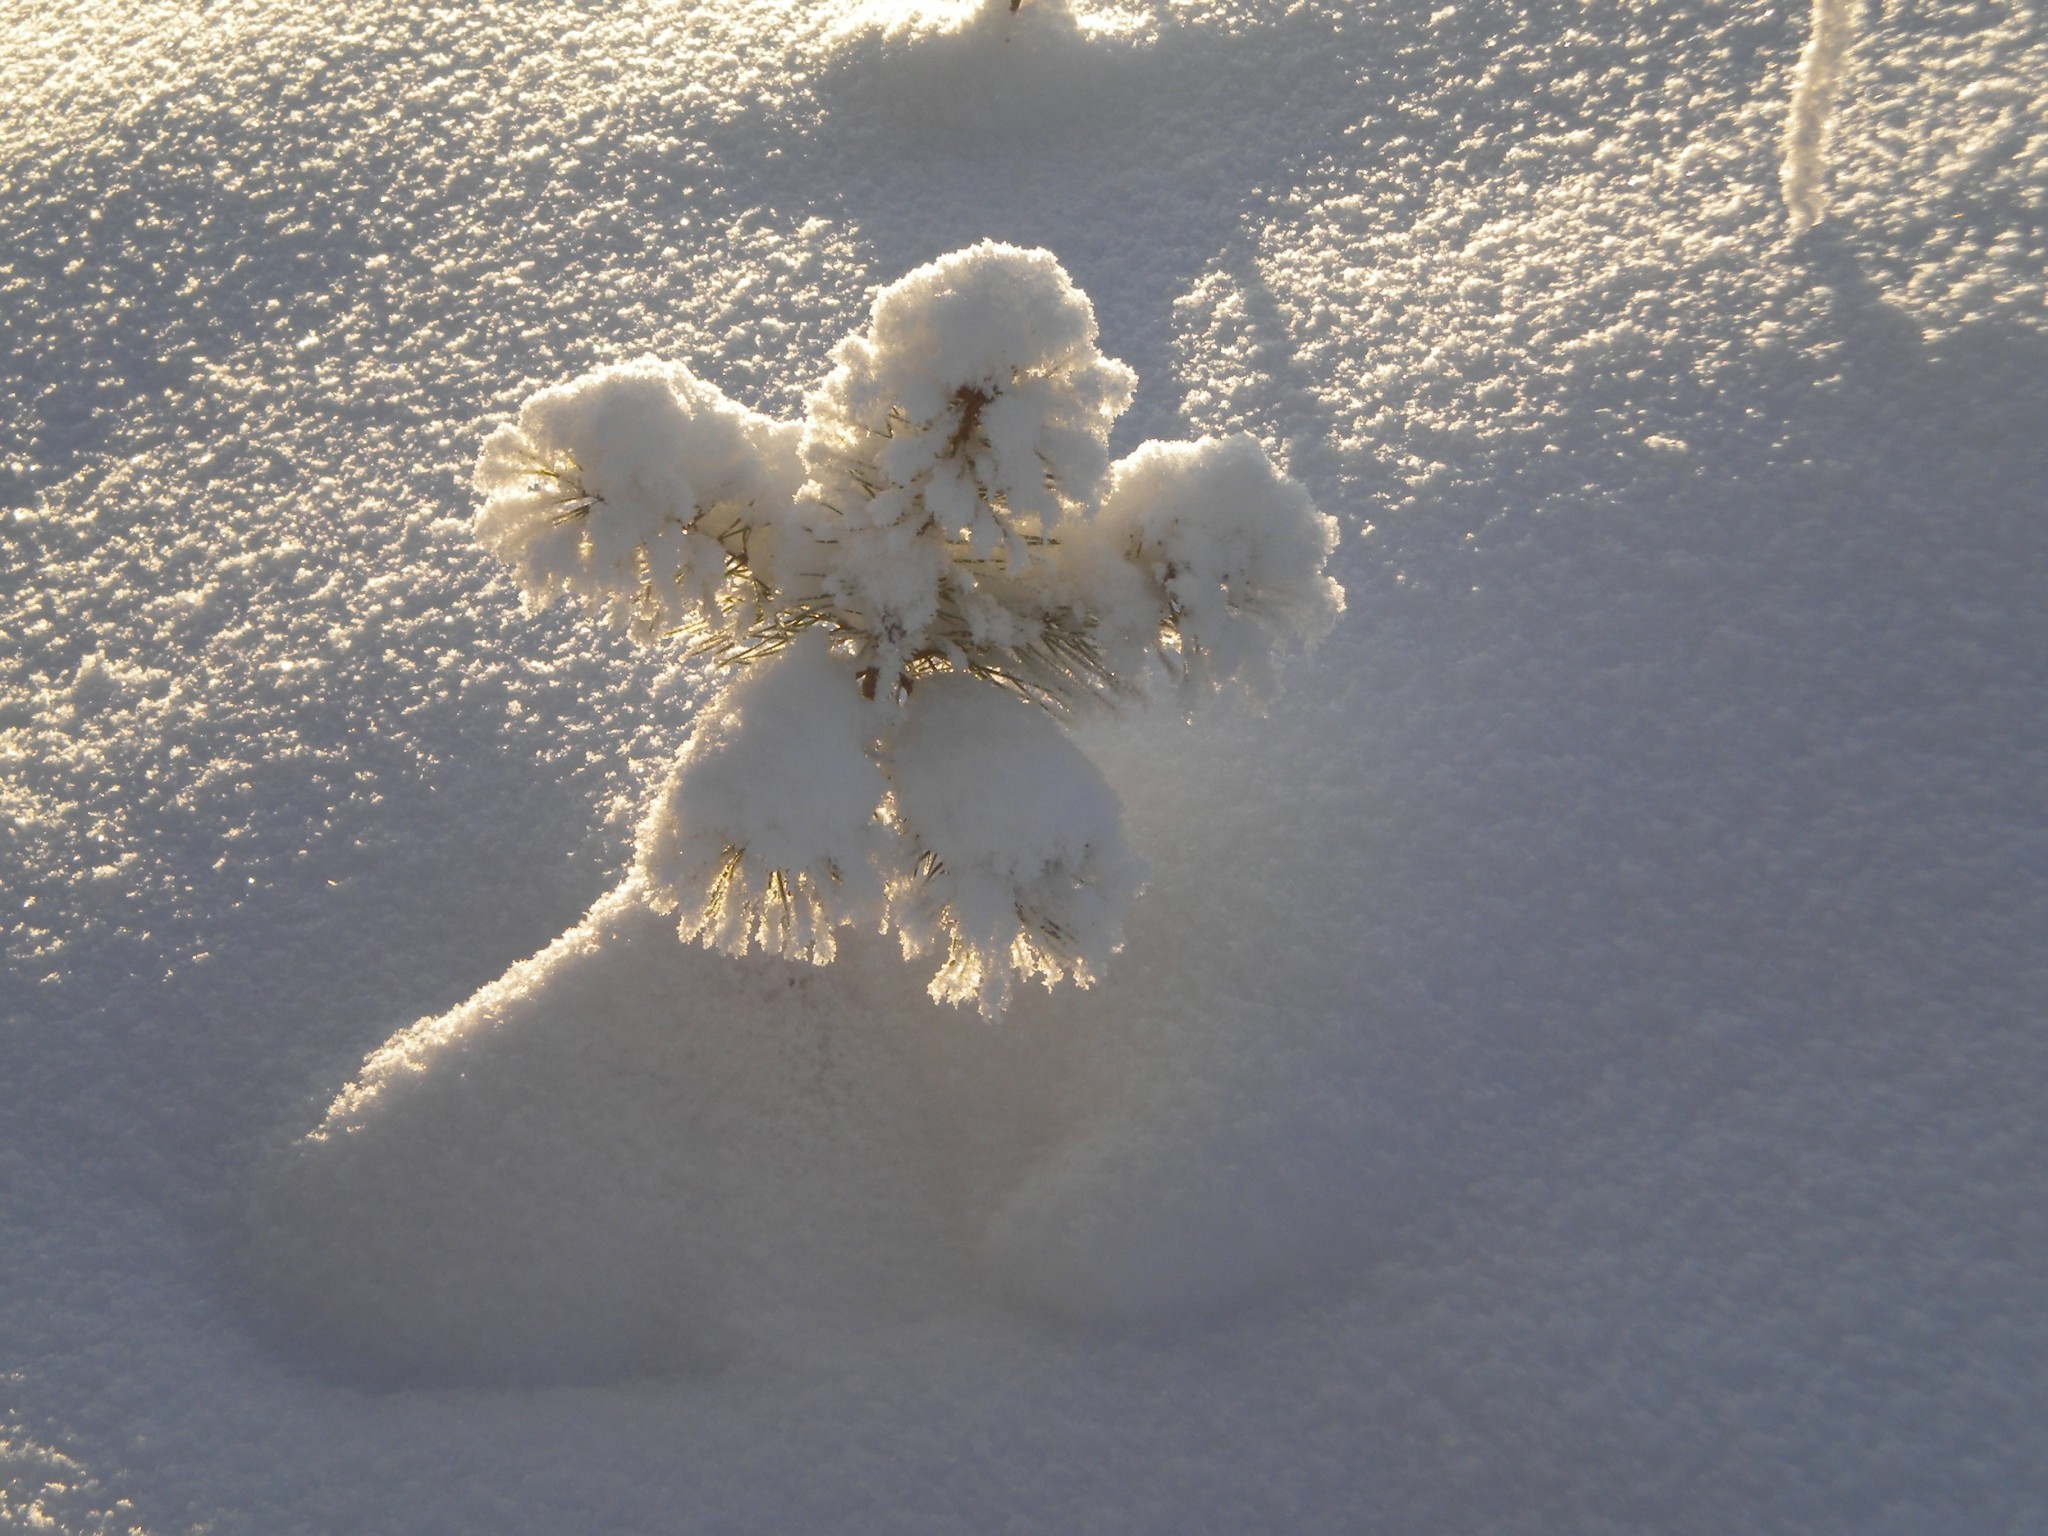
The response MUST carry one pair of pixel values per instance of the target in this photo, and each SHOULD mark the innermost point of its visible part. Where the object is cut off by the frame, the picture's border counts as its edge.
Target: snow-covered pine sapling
(915, 586)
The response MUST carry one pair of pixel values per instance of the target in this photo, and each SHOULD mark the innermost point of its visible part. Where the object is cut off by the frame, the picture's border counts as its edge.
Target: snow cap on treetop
(978, 391)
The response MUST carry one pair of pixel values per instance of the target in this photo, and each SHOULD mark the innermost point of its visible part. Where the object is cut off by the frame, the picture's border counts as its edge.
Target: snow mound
(624, 1158)
(1578, 1064)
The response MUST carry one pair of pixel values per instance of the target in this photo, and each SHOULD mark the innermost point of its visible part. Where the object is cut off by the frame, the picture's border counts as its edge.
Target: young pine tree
(913, 588)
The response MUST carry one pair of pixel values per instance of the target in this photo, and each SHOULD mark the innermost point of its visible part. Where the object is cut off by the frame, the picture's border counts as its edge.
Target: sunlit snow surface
(1578, 1064)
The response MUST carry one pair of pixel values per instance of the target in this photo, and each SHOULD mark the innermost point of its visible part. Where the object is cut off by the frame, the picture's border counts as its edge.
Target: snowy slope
(1577, 1064)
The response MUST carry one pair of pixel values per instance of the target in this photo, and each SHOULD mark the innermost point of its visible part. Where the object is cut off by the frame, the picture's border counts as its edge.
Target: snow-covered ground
(1578, 1063)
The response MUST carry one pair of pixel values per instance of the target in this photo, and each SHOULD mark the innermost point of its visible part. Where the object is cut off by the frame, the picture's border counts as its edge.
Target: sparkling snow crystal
(940, 545)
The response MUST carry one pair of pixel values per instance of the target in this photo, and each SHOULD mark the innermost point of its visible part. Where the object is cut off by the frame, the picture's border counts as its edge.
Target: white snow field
(1578, 1062)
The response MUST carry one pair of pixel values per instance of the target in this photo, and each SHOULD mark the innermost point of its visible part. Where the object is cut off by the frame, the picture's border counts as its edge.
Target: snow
(1576, 1061)
(953, 532)
(1231, 549)
(980, 374)
(625, 487)
(1019, 852)
(1804, 178)
(955, 449)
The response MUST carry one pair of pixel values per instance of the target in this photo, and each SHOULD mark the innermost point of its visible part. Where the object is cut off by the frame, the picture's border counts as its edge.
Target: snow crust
(1576, 1065)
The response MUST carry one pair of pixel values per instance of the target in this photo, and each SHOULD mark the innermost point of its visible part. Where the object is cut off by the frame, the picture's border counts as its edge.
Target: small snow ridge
(1821, 66)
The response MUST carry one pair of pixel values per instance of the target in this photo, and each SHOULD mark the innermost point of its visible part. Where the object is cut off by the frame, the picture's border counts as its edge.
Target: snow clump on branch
(643, 493)
(941, 544)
